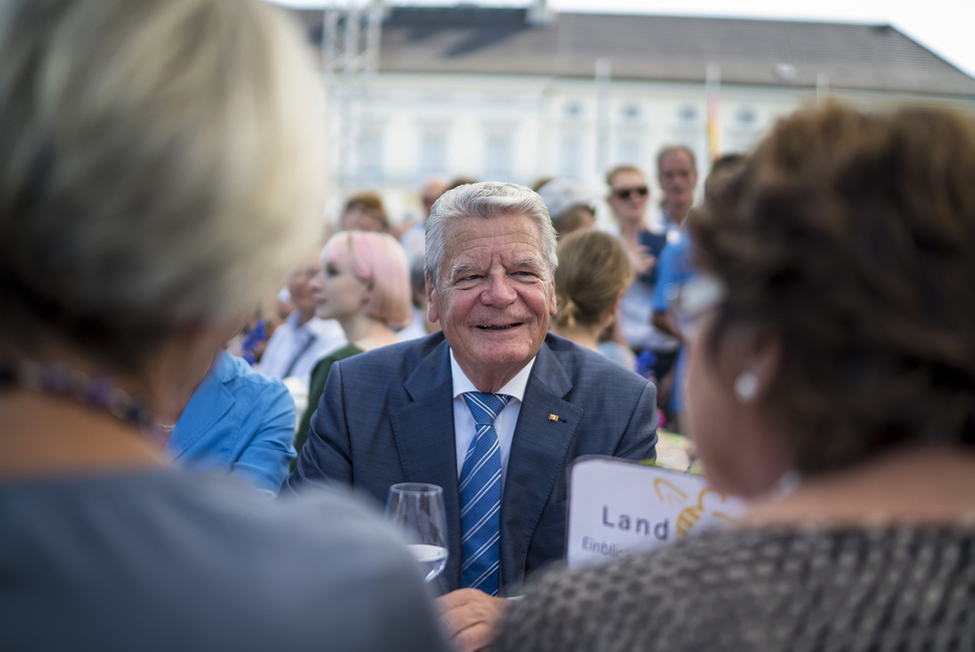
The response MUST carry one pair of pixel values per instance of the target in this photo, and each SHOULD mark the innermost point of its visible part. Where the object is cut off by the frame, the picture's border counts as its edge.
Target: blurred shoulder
(402, 355)
(584, 366)
(307, 547)
(251, 574)
(238, 376)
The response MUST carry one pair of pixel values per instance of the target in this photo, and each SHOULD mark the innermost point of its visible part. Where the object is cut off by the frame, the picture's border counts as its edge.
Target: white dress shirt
(293, 350)
(464, 426)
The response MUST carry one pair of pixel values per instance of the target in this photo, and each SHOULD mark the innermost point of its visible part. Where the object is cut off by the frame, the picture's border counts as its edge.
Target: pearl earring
(746, 387)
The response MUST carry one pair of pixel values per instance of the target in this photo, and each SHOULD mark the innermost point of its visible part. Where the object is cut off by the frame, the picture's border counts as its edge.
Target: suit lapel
(536, 460)
(424, 434)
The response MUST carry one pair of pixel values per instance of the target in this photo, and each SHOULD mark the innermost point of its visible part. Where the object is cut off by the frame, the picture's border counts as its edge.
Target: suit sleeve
(639, 440)
(326, 458)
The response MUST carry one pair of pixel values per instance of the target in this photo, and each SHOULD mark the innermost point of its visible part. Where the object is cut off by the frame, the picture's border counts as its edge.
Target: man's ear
(433, 314)
(552, 304)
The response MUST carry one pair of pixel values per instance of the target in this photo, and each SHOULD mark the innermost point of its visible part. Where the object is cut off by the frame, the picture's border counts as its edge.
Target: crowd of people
(809, 322)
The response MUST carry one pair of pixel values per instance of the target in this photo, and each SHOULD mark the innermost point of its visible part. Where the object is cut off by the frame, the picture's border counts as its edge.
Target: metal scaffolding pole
(351, 31)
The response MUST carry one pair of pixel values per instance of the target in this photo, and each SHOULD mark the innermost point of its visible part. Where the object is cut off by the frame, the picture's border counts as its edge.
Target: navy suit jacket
(386, 416)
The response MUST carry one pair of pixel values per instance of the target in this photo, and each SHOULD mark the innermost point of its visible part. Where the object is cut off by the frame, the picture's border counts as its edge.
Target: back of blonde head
(154, 168)
(593, 270)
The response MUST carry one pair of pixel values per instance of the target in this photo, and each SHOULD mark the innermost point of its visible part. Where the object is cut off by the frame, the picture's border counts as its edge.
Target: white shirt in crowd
(293, 350)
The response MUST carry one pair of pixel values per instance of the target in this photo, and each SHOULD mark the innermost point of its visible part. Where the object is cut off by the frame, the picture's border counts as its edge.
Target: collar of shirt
(671, 227)
(464, 426)
(296, 336)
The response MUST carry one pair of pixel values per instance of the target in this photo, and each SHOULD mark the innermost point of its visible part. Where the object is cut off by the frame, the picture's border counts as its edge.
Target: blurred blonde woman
(155, 179)
(363, 284)
(593, 274)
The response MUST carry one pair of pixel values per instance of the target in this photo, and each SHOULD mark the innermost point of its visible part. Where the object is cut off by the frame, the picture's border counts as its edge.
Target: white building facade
(506, 108)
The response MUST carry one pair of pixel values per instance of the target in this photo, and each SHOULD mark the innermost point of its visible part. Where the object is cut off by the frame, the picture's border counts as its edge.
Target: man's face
(298, 286)
(494, 297)
(628, 197)
(678, 179)
(431, 193)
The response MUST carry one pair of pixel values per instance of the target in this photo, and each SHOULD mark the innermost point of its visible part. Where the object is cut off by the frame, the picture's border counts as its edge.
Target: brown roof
(471, 40)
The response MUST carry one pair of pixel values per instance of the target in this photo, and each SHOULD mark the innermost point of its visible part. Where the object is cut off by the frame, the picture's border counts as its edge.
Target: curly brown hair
(851, 237)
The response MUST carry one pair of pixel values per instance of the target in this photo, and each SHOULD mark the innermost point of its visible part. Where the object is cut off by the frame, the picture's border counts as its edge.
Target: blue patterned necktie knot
(480, 496)
(484, 407)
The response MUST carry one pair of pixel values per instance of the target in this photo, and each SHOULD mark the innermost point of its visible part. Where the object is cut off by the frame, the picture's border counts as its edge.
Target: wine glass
(416, 508)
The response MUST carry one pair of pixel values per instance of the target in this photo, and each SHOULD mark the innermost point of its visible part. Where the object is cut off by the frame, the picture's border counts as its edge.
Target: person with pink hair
(364, 284)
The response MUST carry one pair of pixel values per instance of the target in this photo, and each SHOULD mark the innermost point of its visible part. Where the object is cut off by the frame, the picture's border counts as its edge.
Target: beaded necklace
(98, 392)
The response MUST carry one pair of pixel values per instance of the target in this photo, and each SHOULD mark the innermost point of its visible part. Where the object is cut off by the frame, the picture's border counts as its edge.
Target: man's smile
(498, 327)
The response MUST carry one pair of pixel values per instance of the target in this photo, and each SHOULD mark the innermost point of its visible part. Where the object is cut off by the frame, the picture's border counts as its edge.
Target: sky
(943, 26)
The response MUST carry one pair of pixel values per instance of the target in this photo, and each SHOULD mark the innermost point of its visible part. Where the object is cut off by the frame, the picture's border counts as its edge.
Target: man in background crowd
(364, 211)
(302, 339)
(413, 238)
(677, 176)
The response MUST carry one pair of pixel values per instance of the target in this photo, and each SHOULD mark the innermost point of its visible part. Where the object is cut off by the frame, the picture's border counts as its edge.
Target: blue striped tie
(480, 496)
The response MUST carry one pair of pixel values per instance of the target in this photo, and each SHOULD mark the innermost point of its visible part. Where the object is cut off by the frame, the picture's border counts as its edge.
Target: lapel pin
(553, 417)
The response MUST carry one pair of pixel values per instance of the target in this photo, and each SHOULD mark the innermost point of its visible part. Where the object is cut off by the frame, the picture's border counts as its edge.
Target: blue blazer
(386, 416)
(237, 421)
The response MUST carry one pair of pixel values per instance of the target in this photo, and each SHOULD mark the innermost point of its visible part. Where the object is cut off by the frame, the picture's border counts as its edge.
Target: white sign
(620, 505)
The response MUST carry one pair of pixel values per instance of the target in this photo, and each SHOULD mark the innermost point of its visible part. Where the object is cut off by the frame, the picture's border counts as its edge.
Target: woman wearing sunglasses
(628, 198)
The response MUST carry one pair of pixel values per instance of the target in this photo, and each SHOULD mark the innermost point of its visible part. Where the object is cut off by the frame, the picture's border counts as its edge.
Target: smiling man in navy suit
(412, 412)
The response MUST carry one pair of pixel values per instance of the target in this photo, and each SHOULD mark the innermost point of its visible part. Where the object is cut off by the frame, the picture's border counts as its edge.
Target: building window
(745, 116)
(687, 114)
(433, 152)
(498, 155)
(628, 149)
(570, 156)
(573, 110)
(630, 112)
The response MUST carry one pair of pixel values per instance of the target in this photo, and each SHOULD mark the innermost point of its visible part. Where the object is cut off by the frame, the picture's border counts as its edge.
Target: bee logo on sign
(617, 505)
(673, 496)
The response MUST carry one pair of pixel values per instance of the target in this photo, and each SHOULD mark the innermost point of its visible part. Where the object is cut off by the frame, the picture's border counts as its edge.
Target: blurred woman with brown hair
(831, 382)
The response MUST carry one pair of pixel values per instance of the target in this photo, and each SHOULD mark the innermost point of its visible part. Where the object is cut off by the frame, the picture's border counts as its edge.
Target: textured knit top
(854, 589)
